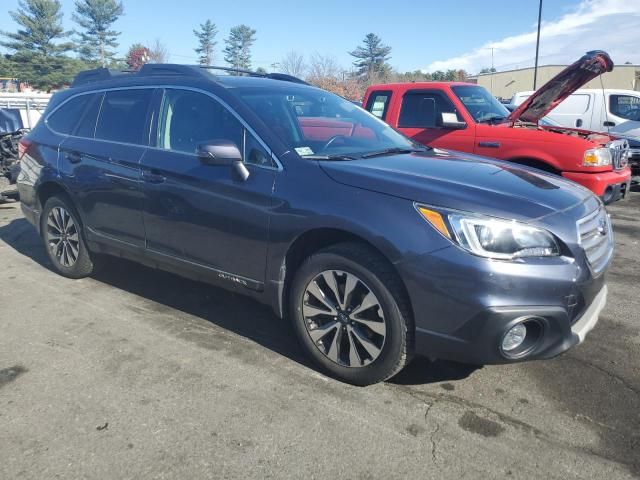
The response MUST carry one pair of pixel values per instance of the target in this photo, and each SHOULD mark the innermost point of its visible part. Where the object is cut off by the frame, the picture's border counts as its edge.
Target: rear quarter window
(123, 116)
(65, 119)
(378, 103)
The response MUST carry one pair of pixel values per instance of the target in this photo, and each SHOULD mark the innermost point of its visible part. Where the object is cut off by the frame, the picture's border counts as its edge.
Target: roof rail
(96, 75)
(166, 69)
(274, 76)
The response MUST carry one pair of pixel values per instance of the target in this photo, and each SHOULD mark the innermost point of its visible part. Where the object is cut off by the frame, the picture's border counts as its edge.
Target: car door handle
(609, 124)
(73, 157)
(489, 144)
(152, 177)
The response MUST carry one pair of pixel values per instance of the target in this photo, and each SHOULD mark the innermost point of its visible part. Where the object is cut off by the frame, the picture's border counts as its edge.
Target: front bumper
(482, 346)
(609, 186)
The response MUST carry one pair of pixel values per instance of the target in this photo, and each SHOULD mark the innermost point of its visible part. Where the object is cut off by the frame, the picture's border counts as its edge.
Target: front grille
(619, 153)
(595, 236)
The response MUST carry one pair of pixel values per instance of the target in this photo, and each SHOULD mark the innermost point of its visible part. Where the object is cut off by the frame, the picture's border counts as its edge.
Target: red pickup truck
(466, 117)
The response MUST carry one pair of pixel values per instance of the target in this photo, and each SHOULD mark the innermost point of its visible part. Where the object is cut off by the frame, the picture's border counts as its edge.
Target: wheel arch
(49, 189)
(313, 240)
(540, 164)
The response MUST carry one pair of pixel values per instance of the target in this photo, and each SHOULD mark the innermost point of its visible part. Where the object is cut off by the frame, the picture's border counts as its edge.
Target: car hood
(547, 97)
(460, 181)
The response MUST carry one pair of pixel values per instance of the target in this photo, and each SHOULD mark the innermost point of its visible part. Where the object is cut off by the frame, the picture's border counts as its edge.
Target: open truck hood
(547, 97)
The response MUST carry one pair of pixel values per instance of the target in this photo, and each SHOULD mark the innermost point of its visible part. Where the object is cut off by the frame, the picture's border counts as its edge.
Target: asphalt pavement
(139, 374)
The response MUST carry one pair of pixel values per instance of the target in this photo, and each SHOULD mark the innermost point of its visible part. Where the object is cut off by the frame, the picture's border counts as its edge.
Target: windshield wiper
(497, 118)
(337, 156)
(391, 151)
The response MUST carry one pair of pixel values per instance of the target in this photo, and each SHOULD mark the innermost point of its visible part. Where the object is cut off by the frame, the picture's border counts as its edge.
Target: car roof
(387, 86)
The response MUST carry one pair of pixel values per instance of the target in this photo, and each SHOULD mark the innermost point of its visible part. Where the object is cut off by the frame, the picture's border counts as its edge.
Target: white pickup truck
(613, 111)
(30, 105)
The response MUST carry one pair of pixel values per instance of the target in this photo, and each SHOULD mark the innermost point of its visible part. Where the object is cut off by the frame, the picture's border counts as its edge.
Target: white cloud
(610, 25)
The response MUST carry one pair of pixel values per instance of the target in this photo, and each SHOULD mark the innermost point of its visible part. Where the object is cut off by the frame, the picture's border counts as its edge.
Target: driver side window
(188, 119)
(424, 110)
(625, 106)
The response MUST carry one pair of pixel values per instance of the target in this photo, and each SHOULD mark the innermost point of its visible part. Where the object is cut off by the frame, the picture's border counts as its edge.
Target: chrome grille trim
(620, 153)
(595, 236)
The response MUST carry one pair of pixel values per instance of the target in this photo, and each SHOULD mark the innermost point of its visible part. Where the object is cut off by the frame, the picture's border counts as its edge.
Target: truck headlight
(597, 157)
(492, 237)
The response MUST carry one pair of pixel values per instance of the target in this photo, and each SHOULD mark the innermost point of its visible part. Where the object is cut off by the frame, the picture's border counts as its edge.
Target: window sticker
(302, 151)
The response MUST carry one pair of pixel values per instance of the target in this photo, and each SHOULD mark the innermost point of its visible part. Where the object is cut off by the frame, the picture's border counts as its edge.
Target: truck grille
(595, 236)
(619, 153)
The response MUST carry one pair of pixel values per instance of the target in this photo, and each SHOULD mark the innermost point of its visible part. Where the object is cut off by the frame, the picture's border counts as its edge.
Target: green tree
(97, 40)
(38, 47)
(206, 42)
(372, 56)
(237, 51)
(40, 24)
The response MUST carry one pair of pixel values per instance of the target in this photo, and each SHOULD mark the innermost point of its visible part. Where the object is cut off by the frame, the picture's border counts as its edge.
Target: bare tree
(323, 67)
(293, 64)
(158, 52)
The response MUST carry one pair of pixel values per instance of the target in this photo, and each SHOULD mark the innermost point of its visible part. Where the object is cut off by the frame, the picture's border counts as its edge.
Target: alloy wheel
(344, 318)
(62, 236)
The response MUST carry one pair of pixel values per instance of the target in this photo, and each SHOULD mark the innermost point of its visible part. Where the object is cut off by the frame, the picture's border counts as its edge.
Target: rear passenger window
(65, 118)
(189, 118)
(424, 110)
(123, 116)
(378, 103)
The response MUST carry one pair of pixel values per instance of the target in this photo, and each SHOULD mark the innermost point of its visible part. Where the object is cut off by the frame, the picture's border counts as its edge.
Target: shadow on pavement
(230, 311)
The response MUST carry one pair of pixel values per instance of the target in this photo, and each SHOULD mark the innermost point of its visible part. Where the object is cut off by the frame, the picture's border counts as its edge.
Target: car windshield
(318, 124)
(482, 106)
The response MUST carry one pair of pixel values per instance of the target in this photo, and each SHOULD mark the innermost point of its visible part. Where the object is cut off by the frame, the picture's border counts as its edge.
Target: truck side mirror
(450, 121)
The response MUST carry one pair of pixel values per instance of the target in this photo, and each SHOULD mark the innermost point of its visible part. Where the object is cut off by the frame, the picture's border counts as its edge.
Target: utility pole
(535, 69)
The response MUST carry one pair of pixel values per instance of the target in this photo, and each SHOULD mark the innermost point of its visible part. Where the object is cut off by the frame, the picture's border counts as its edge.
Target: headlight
(597, 157)
(492, 237)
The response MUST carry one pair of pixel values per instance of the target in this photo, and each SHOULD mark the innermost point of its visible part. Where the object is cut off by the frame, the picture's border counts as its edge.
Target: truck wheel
(63, 239)
(351, 315)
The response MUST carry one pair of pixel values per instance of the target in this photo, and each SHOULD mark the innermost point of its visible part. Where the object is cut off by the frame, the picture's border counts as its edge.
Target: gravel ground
(141, 374)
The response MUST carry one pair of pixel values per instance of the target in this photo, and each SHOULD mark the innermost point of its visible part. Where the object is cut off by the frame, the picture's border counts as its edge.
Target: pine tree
(41, 26)
(372, 56)
(38, 50)
(97, 40)
(206, 42)
(237, 51)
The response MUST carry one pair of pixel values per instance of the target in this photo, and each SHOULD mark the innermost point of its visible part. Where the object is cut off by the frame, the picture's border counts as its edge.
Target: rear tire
(351, 314)
(63, 239)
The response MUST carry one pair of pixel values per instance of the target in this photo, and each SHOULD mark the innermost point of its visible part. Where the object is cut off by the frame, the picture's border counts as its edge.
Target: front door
(420, 118)
(202, 214)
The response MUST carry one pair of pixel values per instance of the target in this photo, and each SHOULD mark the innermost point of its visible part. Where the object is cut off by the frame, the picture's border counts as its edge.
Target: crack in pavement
(606, 372)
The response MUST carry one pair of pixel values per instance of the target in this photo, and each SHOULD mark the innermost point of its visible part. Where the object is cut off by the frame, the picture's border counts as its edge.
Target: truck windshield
(482, 106)
(320, 125)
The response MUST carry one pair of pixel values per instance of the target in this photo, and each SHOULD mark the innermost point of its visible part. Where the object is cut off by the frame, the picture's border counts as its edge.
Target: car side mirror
(450, 121)
(222, 153)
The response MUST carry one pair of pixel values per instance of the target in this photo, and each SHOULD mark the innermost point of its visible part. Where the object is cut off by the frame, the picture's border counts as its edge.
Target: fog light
(514, 337)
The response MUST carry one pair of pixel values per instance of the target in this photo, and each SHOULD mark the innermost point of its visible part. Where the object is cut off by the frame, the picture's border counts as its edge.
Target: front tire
(351, 314)
(63, 239)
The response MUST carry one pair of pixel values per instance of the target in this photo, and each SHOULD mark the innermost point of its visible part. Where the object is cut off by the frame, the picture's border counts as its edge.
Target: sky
(425, 35)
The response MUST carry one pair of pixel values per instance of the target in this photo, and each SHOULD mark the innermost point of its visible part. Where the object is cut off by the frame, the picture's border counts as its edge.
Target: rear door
(420, 118)
(101, 162)
(201, 214)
